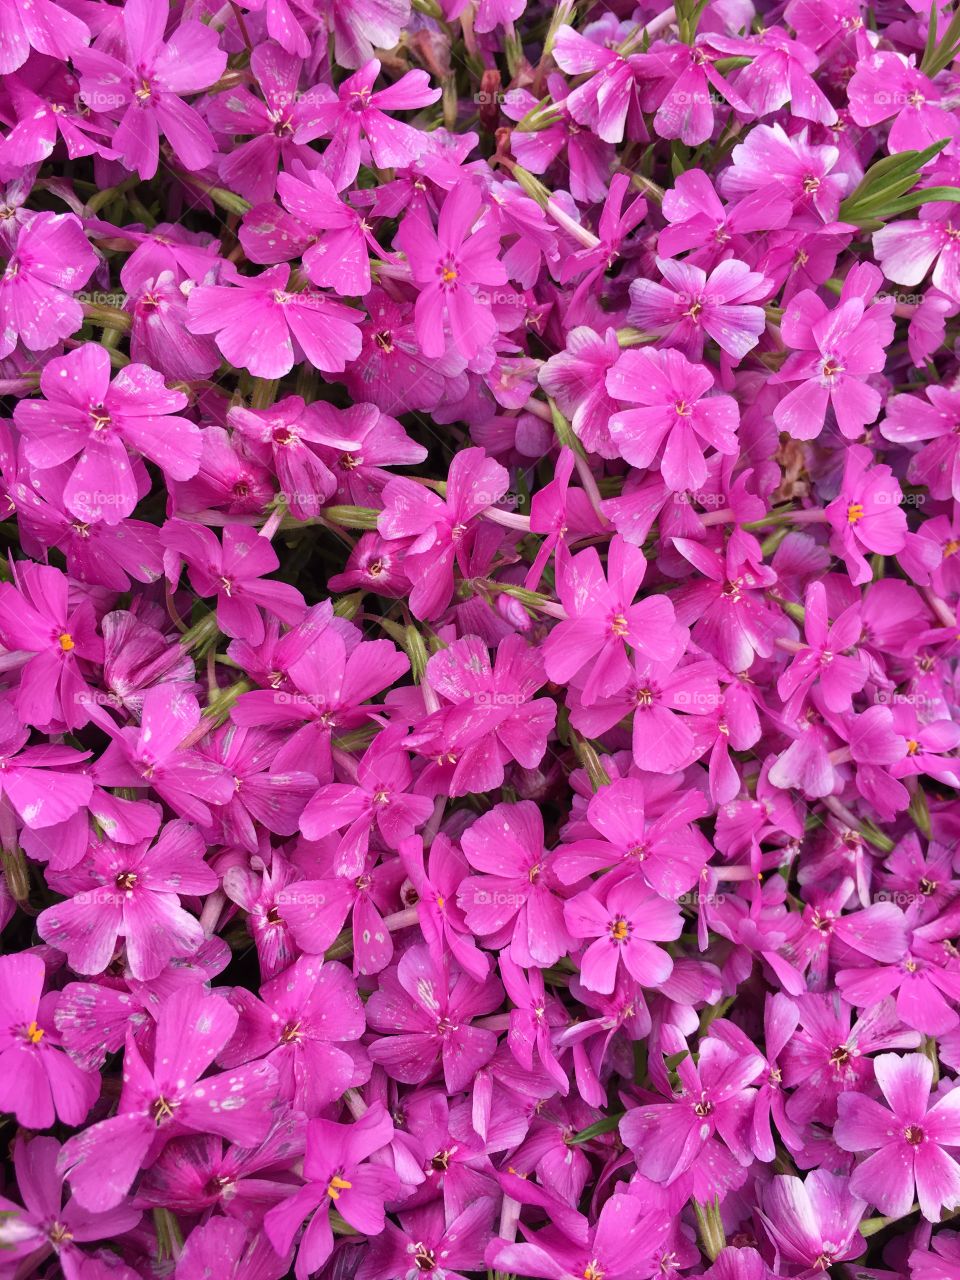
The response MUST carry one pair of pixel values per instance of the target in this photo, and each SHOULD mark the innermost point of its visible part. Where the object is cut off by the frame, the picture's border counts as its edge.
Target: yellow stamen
(854, 513)
(336, 1185)
(66, 642)
(448, 275)
(34, 1033)
(619, 930)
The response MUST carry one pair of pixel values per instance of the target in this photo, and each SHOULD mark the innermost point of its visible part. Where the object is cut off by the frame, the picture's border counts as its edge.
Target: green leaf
(886, 180)
(607, 1125)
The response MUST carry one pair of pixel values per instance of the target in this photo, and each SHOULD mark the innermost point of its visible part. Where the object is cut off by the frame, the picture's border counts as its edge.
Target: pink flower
(437, 526)
(796, 168)
(34, 780)
(576, 379)
(132, 891)
(302, 1017)
(340, 239)
(233, 573)
(42, 25)
(867, 515)
(514, 903)
(263, 326)
(339, 1174)
(622, 1245)
(357, 110)
(688, 86)
(378, 800)
(147, 83)
(494, 713)
(38, 618)
(693, 306)
(822, 662)
(884, 85)
(602, 619)
(834, 352)
(84, 413)
(46, 259)
(250, 168)
(626, 922)
(708, 1121)
(221, 1243)
(607, 103)
(675, 410)
(664, 850)
(907, 250)
(169, 1098)
(450, 267)
(423, 1012)
(936, 419)
(907, 1140)
(153, 756)
(815, 1222)
(39, 1082)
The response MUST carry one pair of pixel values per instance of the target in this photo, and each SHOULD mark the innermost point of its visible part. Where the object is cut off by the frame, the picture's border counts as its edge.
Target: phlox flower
(84, 413)
(602, 620)
(674, 412)
(693, 306)
(39, 1082)
(907, 1138)
(450, 267)
(358, 110)
(49, 1224)
(169, 1098)
(832, 355)
(146, 82)
(514, 902)
(626, 923)
(132, 891)
(867, 515)
(46, 258)
(339, 1175)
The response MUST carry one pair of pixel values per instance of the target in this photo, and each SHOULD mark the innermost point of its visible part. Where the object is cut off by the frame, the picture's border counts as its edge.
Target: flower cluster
(479, 699)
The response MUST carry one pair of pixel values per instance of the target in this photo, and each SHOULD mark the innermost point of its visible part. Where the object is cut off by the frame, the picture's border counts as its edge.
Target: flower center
(162, 1110)
(425, 1258)
(336, 1185)
(619, 929)
(854, 513)
(913, 1134)
(619, 626)
(66, 642)
(99, 417)
(126, 880)
(33, 1034)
